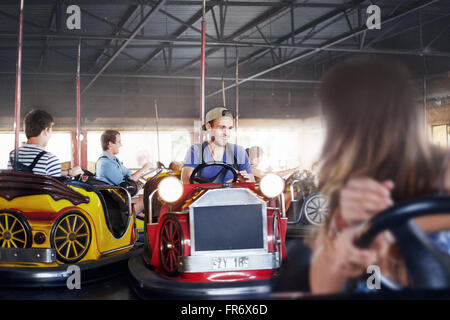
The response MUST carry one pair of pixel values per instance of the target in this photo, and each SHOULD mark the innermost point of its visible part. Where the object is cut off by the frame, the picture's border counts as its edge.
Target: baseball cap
(216, 113)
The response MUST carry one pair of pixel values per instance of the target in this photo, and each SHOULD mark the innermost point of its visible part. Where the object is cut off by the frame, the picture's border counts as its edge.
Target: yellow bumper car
(47, 225)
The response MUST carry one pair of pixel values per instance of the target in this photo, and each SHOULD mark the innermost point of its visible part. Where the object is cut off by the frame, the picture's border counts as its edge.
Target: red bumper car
(213, 240)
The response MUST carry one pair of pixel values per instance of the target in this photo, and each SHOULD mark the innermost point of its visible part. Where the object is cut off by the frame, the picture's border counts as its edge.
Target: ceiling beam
(267, 15)
(197, 16)
(348, 35)
(124, 45)
(198, 3)
(194, 43)
(45, 42)
(118, 29)
(333, 15)
(154, 76)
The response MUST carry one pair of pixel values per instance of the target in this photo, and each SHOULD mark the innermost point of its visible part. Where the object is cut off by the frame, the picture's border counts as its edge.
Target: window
(60, 145)
(440, 135)
(140, 147)
(285, 147)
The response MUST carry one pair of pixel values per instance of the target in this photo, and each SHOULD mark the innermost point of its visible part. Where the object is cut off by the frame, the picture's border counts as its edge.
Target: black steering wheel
(195, 177)
(427, 266)
(130, 185)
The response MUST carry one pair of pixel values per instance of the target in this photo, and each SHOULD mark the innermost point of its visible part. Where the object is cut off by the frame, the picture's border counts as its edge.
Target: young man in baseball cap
(219, 124)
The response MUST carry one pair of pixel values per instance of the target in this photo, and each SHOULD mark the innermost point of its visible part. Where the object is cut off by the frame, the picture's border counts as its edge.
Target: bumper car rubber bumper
(148, 284)
(44, 277)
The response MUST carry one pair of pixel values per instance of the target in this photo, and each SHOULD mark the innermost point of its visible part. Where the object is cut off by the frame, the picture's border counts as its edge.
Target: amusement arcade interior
(141, 86)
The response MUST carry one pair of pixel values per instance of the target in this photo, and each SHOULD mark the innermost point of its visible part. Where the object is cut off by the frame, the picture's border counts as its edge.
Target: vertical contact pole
(202, 69)
(18, 99)
(157, 128)
(77, 160)
(425, 104)
(224, 101)
(237, 95)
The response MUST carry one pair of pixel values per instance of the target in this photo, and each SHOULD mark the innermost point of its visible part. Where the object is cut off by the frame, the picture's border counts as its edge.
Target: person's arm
(245, 169)
(244, 176)
(139, 172)
(186, 172)
(191, 160)
(72, 172)
(258, 173)
(337, 260)
(53, 165)
(435, 223)
(284, 173)
(361, 198)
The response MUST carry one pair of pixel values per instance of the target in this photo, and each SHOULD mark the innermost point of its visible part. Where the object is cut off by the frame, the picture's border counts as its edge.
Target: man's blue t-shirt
(233, 153)
(111, 170)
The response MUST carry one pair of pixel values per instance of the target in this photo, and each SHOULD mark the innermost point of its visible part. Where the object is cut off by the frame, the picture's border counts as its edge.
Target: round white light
(170, 189)
(271, 185)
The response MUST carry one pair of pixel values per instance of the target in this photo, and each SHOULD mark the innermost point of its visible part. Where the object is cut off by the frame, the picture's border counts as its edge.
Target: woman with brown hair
(375, 153)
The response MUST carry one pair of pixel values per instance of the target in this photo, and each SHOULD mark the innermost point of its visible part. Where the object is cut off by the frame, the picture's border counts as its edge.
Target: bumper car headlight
(271, 185)
(170, 189)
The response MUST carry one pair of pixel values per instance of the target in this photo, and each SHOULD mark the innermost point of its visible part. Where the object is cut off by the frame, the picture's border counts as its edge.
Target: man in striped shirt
(38, 126)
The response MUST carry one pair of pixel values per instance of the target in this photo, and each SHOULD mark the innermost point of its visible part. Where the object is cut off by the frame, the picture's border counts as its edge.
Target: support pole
(18, 99)
(224, 100)
(202, 69)
(425, 103)
(77, 160)
(157, 129)
(237, 95)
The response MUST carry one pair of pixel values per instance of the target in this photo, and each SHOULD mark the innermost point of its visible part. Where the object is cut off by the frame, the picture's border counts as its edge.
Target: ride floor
(118, 288)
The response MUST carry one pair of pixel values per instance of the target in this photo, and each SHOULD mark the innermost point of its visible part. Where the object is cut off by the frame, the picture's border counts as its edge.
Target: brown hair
(107, 137)
(35, 121)
(374, 129)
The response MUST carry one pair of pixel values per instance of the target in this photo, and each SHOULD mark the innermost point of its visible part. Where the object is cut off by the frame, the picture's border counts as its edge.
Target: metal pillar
(202, 68)
(237, 95)
(18, 99)
(77, 159)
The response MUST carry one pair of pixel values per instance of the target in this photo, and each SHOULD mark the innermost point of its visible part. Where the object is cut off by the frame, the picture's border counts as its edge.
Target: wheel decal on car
(13, 232)
(170, 245)
(315, 209)
(71, 237)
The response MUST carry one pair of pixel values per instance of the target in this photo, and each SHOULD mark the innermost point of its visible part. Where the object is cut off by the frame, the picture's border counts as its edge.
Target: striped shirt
(48, 164)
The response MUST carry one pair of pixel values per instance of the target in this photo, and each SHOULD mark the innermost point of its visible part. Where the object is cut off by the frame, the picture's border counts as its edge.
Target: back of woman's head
(373, 124)
(365, 94)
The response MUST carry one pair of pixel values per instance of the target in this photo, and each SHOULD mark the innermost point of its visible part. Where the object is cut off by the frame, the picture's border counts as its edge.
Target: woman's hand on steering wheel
(349, 260)
(362, 198)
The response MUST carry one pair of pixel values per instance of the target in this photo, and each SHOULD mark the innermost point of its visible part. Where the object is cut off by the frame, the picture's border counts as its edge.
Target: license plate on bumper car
(229, 263)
